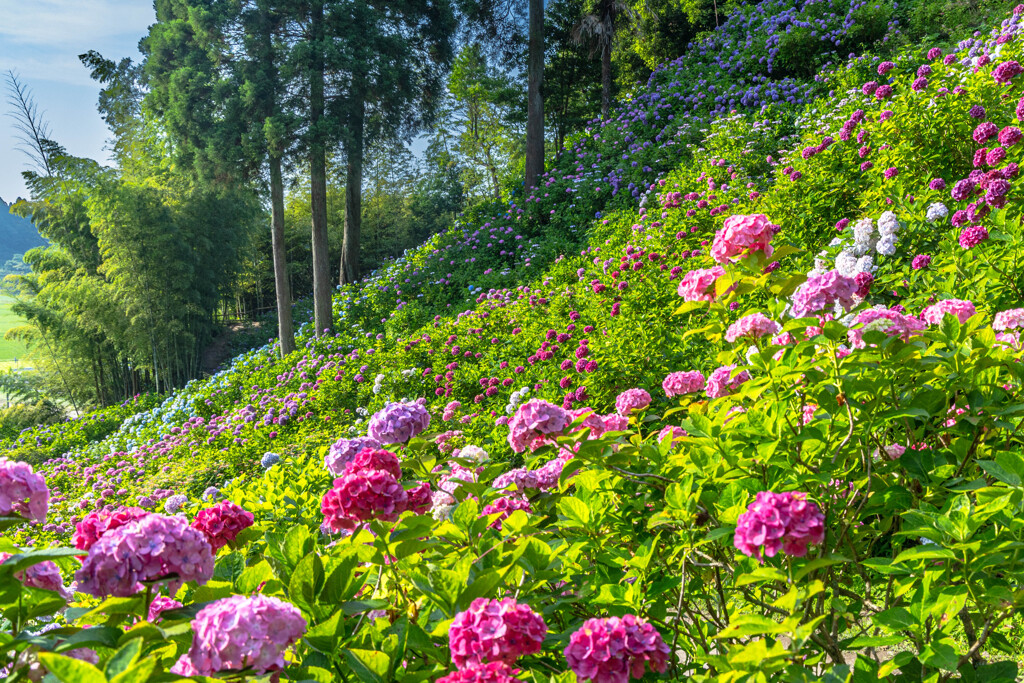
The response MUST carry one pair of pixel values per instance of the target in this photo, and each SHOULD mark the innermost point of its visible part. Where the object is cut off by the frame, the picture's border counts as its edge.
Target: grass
(11, 352)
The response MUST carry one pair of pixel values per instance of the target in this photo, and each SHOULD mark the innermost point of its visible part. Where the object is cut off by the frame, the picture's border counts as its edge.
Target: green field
(12, 353)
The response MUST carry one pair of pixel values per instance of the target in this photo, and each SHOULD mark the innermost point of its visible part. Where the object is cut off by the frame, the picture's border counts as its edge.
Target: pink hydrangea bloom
(22, 491)
(892, 323)
(159, 605)
(343, 450)
(374, 459)
(753, 326)
(492, 672)
(241, 632)
(742, 235)
(532, 421)
(504, 507)
(92, 527)
(495, 631)
(361, 496)
(183, 667)
(419, 498)
(722, 383)
(682, 383)
(676, 434)
(147, 549)
(972, 236)
(614, 649)
(1006, 72)
(1009, 320)
(615, 423)
(631, 401)
(45, 576)
(959, 308)
(779, 521)
(222, 523)
(699, 285)
(591, 420)
(821, 292)
(398, 422)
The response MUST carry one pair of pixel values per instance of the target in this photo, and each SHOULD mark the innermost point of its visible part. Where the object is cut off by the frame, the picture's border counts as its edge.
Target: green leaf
(296, 545)
(306, 582)
(326, 635)
(895, 619)
(139, 673)
(23, 561)
(106, 636)
(342, 584)
(924, 552)
(251, 577)
(124, 658)
(70, 670)
(575, 510)
(368, 665)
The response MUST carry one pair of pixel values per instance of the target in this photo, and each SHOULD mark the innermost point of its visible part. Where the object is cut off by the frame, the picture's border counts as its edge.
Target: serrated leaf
(70, 670)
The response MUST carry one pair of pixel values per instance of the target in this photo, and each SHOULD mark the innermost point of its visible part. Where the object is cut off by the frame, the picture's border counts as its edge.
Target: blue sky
(40, 40)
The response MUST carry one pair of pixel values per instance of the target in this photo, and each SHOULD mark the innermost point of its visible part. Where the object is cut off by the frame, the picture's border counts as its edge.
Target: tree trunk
(534, 96)
(318, 179)
(606, 76)
(353, 194)
(284, 291)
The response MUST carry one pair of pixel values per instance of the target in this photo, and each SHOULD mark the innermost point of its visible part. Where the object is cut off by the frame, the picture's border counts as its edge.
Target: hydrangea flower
(398, 422)
(821, 292)
(23, 492)
(44, 575)
(474, 454)
(614, 649)
(921, 261)
(699, 285)
(779, 521)
(505, 506)
(936, 211)
(1009, 320)
(752, 326)
(160, 605)
(972, 236)
(1006, 72)
(960, 309)
(676, 434)
(361, 496)
(343, 450)
(269, 460)
(492, 672)
(890, 322)
(631, 401)
(374, 459)
(241, 632)
(722, 383)
(174, 504)
(92, 527)
(495, 631)
(147, 549)
(222, 523)
(681, 383)
(532, 421)
(740, 236)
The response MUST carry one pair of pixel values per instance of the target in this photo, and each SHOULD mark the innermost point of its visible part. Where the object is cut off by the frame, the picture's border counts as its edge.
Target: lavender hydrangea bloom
(174, 504)
(398, 422)
(148, 549)
(343, 450)
(22, 491)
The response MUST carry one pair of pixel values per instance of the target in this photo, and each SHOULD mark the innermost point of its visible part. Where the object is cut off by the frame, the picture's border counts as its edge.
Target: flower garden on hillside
(765, 425)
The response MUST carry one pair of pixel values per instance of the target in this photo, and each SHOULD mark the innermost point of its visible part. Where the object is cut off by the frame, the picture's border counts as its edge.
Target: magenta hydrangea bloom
(532, 421)
(821, 292)
(1010, 136)
(960, 309)
(374, 459)
(921, 261)
(699, 285)
(358, 497)
(752, 326)
(1009, 320)
(742, 235)
(492, 672)
(160, 605)
(984, 132)
(222, 523)
(343, 450)
(495, 631)
(892, 323)
(45, 576)
(722, 383)
(419, 498)
(885, 67)
(676, 434)
(147, 549)
(682, 383)
(1006, 72)
(241, 632)
(614, 649)
(883, 92)
(398, 422)
(631, 401)
(505, 506)
(23, 492)
(779, 521)
(92, 527)
(972, 236)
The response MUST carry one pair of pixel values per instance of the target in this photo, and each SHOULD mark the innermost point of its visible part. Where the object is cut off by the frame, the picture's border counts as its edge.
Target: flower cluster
(752, 326)
(22, 491)
(44, 575)
(343, 450)
(160, 605)
(241, 632)
(369, 488)
(631, 401)
(614, 649)
(740, 236)
(821, 292)
(92, 527)
(505, 506)
(398, 422)
(699, 285)
(492, 672)
(533, 421)
(779, 521)
(151, 548)
(723, 382)
(682, 383)
(958, 308)
(222, 523)
(495, 631)
(892, 323)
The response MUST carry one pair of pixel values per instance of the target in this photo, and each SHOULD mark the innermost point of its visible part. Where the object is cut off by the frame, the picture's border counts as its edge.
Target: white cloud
(60, 24)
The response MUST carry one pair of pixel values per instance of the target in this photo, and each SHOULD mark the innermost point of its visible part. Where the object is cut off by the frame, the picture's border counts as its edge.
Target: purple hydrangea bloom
(398, 422)
(343, 450)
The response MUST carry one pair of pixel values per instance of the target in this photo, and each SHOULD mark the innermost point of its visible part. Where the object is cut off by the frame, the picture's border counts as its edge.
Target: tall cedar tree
(534, 95)
(214, 74)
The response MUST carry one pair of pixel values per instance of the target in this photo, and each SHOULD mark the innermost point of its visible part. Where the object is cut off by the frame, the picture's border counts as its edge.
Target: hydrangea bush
(827, 486)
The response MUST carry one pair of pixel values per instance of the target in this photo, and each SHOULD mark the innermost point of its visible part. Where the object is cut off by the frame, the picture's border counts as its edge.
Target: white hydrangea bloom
(936, 211)
(888, 224)
(866, 264)
(846, 263)
(887, 245)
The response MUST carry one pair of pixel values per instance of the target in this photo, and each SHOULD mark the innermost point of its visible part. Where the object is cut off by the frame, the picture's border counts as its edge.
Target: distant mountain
(17, 234)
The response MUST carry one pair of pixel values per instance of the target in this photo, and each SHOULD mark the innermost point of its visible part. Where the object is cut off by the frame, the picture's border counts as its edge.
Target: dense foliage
(733, 396)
